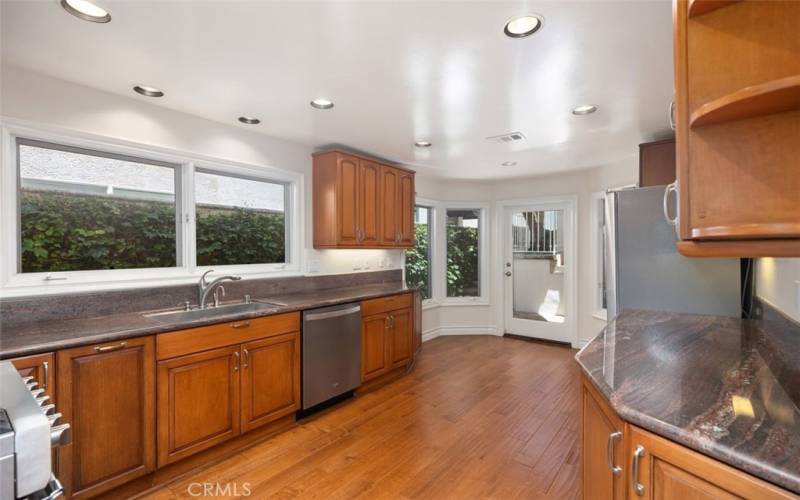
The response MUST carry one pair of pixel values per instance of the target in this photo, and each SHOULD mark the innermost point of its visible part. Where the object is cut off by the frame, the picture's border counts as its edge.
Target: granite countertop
(725, 387)
(43, 336)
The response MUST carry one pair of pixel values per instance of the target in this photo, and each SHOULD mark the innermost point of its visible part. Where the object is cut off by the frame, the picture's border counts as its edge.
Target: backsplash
(19, 310)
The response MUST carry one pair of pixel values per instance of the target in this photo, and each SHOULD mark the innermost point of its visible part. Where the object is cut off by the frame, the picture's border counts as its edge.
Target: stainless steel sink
(211, 312)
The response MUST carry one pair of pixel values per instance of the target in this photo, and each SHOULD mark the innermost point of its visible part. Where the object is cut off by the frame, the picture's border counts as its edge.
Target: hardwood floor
(479, 417)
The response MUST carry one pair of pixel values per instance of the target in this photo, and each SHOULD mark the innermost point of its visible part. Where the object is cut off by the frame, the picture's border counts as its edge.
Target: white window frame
(15, 283)
(483, 253)
(434, 207)
(598, 311)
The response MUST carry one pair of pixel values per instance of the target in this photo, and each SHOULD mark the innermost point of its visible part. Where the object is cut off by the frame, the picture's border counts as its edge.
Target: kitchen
(482, 250)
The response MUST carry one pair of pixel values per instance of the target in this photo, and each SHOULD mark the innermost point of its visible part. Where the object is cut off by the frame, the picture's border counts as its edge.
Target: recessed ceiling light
(520, 27)
(584, 109)
(86, 10)
(422, 144)
(509, 163)
(148, 91)
(321, 104)
(249, 120)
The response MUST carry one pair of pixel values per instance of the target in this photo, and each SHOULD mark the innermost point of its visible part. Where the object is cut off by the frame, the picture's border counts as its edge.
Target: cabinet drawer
(179, 343)
(385, 304)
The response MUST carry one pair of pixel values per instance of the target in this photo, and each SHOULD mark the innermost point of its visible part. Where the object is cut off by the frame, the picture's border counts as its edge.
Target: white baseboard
(442, 331)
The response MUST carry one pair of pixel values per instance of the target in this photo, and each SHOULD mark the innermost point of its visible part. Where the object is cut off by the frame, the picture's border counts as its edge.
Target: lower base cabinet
(198, 402)
(206, 398)
(107, 394)
(623, 461)
(387, 330)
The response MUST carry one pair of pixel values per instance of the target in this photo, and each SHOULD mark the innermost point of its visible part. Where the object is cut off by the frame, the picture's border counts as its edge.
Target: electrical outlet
(313, 266)
(356, 264)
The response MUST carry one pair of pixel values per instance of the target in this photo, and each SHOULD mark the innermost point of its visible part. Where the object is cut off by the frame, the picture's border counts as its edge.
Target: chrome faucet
(204, 287)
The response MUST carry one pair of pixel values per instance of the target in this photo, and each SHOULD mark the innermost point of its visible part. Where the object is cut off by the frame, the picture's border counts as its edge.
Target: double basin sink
(183, 315)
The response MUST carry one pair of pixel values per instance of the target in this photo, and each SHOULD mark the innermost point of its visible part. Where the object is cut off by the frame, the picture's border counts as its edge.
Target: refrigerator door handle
(673, 187)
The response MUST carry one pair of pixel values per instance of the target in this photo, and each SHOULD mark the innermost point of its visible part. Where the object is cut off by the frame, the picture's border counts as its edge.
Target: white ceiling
(397, 71)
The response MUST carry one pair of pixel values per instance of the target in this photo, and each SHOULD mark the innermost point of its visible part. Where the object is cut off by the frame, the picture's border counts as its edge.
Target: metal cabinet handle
(241, 324)
(246, 361)
(235, 361)
(637, 455)
(671, 188)
(46, 370)
(672, 115)
(108, 348)
(612, 439)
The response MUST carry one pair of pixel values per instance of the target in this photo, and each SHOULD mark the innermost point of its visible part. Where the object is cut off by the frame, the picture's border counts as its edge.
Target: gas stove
(29, 427)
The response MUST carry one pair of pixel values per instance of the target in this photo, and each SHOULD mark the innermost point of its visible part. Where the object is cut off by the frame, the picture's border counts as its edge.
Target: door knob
(508, 273)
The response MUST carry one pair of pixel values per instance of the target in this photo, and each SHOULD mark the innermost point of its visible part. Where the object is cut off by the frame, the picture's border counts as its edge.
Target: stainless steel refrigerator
(643, 269)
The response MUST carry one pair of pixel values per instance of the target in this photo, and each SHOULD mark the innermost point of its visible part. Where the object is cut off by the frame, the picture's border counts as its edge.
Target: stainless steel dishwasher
(331, 352)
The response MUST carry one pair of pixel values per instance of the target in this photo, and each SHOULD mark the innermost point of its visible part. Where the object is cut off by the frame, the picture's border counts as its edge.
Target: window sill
(430, 304)
(601, 315)
(478, 301)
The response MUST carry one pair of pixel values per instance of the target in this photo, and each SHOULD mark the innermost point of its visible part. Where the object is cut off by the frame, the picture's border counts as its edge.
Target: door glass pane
(538, 265)
(463, 245)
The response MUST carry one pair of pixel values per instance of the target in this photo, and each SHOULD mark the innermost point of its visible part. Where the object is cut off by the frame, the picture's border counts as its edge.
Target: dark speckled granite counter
(725, 387)
(42, 336)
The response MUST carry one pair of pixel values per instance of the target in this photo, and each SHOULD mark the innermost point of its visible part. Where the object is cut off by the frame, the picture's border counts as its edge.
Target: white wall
(583, 183)
(778, 283)
(76, 109)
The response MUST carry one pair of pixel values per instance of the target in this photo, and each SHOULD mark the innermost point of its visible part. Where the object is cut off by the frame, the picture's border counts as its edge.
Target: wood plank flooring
(479, 417)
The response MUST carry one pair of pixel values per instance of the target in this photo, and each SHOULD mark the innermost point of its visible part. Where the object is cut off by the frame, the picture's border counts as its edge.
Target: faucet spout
(204, 287)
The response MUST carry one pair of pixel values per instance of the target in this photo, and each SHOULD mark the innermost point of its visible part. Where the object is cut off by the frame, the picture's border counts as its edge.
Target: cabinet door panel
(374, 360)
(598, 480)
(270, 379)
(107, 395)
(669, 470)
(198, 402)
(369, 202)
(347, 201)
(42, 368)
(389, 190)
(405, 207)
(400, 344)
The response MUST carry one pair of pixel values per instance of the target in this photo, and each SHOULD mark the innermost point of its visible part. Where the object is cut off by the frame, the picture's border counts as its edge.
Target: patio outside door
(538, 267)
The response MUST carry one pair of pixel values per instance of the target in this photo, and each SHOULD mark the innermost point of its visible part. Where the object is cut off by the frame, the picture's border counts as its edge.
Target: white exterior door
(538, 270)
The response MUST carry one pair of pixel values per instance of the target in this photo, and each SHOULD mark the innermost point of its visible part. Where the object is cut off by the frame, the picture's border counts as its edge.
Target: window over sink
(80, 214)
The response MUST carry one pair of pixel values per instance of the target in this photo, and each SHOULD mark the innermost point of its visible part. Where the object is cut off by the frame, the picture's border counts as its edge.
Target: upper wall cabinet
(737, 118)
(361, 203)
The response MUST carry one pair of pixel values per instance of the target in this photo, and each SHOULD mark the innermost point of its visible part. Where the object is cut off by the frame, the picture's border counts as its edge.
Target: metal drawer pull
(246, 360)
(637, 455)
(241, 324)
(672, 115)
(235, 361)
(332, 314)
(612, 438)
(107, 348)
(46, 369)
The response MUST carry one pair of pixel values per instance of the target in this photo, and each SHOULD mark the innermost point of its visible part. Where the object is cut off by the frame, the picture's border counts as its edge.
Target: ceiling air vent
(509, 137)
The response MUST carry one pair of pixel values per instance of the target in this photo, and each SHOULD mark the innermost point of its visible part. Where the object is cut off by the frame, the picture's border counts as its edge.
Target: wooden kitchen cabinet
(374, 346)
(603, 451)
(42, 368)
(668, 470)
(386, 335)
(400, 338)
(737, 120)
(198, 402)
(270, 379)
(657, 163)
(216, 382)
(361, 203)
(107, 395)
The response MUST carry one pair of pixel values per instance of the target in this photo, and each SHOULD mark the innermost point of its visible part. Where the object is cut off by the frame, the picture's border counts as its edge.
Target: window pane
(239, 220)
(418, 259)
(82, 210)
(463, 263)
